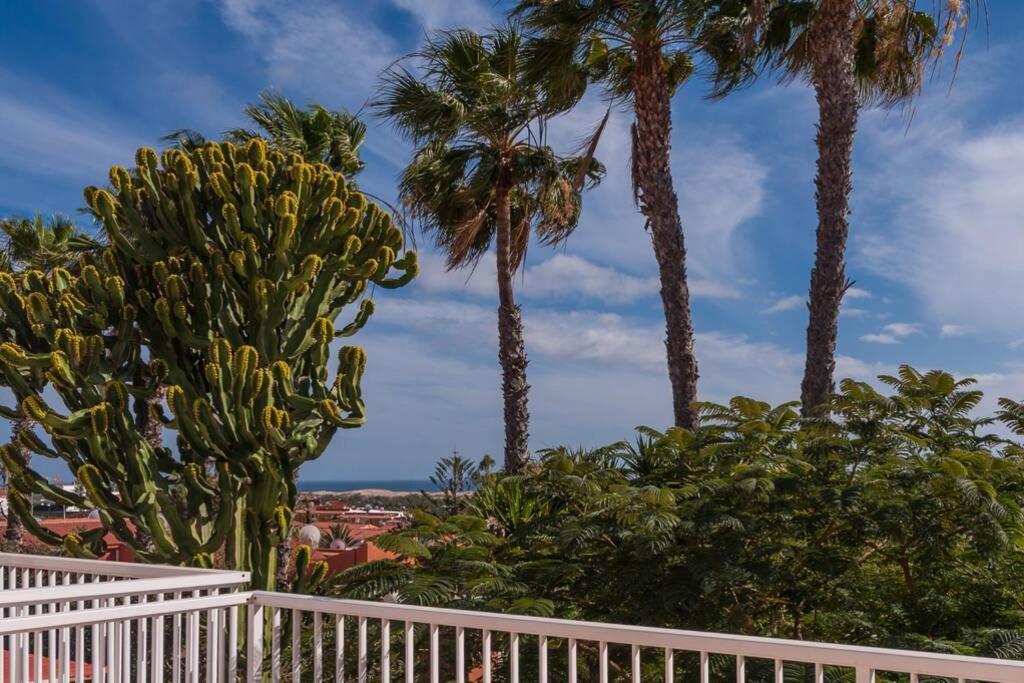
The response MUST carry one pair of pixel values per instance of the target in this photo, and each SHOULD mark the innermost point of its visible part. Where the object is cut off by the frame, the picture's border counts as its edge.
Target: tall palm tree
(316, 133)
(852, 52)
(36, 244)
(482, 174)
(640, 50)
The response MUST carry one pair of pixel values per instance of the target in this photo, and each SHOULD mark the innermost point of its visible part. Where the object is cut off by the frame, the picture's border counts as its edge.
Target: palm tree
(853, 52)
(482, 174)
(639, 49)
(317, 134)
(36, 244)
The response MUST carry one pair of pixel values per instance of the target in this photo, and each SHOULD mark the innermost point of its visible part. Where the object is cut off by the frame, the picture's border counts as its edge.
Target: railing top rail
(882, 659)
(128, 570)
(87, 617)
(118, 589)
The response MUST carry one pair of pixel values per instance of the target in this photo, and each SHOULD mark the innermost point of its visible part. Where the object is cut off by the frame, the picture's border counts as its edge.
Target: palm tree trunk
(511, 347)
(652, 181)
(831, 46)
(14, 534)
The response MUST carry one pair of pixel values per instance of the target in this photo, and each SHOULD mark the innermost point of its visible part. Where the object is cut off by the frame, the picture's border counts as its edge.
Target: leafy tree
(481, 174)
(896, 522)
(853, 53)
(35, 244)
(228, 269)
(640, 50)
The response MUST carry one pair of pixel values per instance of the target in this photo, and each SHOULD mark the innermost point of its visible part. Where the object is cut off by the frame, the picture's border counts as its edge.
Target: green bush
(895, 522)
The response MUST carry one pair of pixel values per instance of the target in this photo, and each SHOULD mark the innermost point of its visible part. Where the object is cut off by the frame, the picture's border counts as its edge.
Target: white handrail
(881, 659)
(107, 615)
(128, 570)
(222, 627)
(115, 589)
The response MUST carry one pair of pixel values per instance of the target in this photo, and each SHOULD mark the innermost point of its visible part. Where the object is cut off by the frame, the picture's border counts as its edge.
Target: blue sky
(937, 230)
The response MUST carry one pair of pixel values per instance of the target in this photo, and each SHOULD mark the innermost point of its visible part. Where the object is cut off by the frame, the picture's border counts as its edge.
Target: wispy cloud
(949, 330)
(786, 303)
(47, 132)
(892, 333)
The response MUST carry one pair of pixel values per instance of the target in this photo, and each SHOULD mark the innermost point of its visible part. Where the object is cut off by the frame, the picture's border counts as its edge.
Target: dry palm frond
(464, 236)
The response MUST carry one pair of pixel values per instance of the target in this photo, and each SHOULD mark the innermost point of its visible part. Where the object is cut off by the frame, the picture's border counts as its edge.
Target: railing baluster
(126, 645)
(741, 670)
(602, 662)
(485, 655)
(634, 657)
(819, 674)
(318, 649)
(275, 645)
(212, 644)
(460, 655)
(51, 635)
(865, 674)
(410, 652)
(779, 678)
(670, 665)
(435, 667)
(363, 663)
(38, 664)
(385, 650)
(513, 657)
(97, 650)
(913, 677)
(176, 645)
(233, 643)
(542, 654)
(157, 660)
(254, 638)
(193, 629)
(572, 660)
(296, 644)
(339, 649)
(80, 640)
(143, 658)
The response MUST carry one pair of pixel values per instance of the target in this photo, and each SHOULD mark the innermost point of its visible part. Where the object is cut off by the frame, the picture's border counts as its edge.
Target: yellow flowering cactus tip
(323, 330)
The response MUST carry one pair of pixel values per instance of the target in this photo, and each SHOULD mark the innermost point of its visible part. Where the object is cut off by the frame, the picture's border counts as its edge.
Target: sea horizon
(341, 485)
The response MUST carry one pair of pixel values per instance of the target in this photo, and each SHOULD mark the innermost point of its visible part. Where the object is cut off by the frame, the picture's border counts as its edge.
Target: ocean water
(410, 485)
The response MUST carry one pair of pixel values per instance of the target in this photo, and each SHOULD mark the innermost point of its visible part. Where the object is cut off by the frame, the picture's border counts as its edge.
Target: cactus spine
(228, 270)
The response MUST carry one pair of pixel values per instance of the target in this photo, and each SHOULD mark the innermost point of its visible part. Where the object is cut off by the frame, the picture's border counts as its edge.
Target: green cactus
(228, 270)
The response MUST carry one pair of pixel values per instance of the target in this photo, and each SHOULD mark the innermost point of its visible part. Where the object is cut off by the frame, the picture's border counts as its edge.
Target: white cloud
(857, 293)
(902, 329)
(786, 303)
(954, 330)
(43, 131)
(561, 276)
(958, 205)
(892, 333)
(721, 186)
(443, 14)
(880, 338)
(849, 312)
(314, 45)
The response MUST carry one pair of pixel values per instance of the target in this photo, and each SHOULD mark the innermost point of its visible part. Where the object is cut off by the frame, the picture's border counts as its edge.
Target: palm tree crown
(38, 244)
(317, 134)
(588, 40)
(478, 125)
(893, 44)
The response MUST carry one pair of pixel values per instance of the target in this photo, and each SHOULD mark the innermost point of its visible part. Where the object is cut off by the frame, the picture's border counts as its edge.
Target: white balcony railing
(192, 634)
